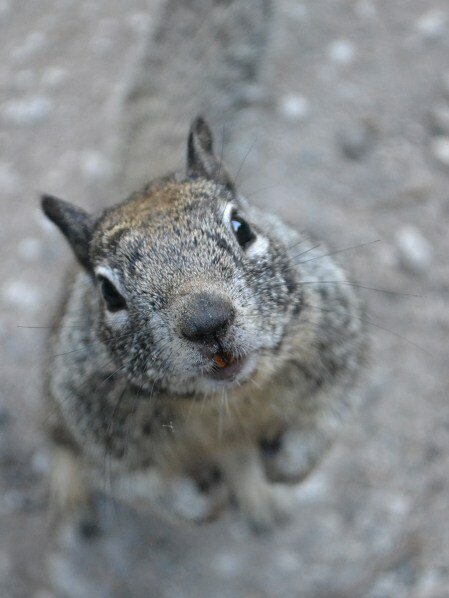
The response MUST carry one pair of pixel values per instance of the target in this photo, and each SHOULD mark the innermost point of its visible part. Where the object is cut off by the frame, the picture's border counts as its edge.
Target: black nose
(206, 316)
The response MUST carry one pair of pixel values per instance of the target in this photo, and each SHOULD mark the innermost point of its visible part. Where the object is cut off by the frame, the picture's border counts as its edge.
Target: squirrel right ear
(74, 223)
(201, 160)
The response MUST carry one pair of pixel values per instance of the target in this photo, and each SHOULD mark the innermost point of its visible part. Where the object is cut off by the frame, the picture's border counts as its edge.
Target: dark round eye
(242, 230)
(114, 301)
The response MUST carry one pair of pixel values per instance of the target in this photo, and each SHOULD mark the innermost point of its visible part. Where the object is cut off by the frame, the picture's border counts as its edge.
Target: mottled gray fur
(127, 387)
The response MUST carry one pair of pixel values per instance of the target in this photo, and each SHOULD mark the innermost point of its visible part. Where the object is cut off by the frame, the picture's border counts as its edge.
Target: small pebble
(9, 179)
(53, 76)
(5, 7)
(28, 111)
(21, 295)
(432, 24)
(139, 22)
(297, 10)
(415, 252)
(287, 561)
(342, 51)
(30, 249)
(366, 9)
(440, 149)
(294, 108)
(95, 166)
(31, 44)
(356, 140)
(226, 564)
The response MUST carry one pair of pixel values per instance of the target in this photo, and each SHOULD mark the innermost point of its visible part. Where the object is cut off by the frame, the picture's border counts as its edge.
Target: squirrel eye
(114, 301)
(242, 230)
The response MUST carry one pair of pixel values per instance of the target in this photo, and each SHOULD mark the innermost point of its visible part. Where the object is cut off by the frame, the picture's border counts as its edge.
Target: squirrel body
(198, 335)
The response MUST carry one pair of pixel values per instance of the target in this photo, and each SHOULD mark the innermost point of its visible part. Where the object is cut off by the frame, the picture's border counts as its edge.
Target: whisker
(55, 327)
(379, 326)
(361, 286)
(340, 251)
(244, 160)
(306, 251)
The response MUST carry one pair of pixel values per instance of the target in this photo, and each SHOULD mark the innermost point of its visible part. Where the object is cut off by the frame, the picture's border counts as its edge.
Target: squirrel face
(192, 294)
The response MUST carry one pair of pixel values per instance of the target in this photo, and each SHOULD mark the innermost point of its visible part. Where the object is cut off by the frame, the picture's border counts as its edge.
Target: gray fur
(126, 385)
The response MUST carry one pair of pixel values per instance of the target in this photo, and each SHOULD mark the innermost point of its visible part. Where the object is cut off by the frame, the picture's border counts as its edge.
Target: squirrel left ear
(74, 223)
(201, 160)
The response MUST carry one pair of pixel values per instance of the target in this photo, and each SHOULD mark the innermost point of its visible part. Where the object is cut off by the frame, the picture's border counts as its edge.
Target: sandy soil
(351, 142)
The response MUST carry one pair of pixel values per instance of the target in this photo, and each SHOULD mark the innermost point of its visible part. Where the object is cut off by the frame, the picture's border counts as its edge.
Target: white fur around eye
(108, 273)
(258, 247)
(227, 214)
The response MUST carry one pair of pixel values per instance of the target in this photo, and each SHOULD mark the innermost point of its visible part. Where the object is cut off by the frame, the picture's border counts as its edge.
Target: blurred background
(348, 138)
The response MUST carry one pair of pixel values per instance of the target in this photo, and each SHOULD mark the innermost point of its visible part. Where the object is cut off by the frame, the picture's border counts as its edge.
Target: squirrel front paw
(175, 497)
(290, 457)
(265, 506)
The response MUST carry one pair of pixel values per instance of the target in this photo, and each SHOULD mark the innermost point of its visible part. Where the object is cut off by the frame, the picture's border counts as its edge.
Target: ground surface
(352, 143)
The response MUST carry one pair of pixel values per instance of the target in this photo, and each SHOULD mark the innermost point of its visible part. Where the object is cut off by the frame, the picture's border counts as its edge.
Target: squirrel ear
(201, 160)
(74, 223)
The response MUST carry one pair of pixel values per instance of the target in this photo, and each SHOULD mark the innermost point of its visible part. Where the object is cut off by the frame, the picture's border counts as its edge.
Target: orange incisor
(223, 359)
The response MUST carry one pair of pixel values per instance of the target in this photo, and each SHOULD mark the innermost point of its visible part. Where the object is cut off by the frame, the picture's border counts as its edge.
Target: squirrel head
(193, 292)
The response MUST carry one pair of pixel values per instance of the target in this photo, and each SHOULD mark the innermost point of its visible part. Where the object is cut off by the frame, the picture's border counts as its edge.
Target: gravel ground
(351, 142)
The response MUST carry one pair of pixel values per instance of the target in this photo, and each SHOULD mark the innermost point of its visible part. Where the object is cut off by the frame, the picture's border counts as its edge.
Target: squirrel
(198, 339)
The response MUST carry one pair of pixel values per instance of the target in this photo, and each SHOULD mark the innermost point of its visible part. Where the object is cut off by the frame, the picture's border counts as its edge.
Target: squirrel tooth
(219, 361)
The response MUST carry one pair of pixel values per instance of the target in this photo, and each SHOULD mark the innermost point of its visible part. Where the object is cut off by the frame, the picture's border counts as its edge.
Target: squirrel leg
(291, 457)
(263, 504)
(176, 497)
(70, 494)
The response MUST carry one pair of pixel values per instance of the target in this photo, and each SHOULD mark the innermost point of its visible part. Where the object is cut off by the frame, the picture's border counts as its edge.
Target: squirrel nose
(206, 316)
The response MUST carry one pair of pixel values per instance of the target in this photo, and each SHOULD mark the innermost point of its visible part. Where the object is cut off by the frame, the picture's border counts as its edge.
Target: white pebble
(342, 51)
(297, 10)
(287, 561)
(95, 166)
(432, 24)
(414, 250)
(30, 249)
(365, 8)
(440, 149)
(226, 564)
(54, 76)
(32, 43)
(294, 107)
(20, 294)
(5, 7)
(28, 111)
(139, 22)
(9, 179)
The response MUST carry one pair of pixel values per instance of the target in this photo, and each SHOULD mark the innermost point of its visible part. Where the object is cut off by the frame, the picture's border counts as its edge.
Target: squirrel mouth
(225, 366)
